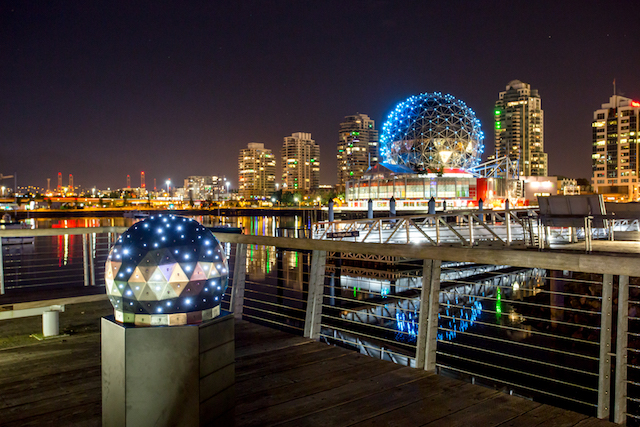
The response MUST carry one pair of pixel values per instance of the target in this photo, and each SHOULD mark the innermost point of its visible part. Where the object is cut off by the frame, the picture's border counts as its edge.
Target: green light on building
(497, 112)
(498, 125)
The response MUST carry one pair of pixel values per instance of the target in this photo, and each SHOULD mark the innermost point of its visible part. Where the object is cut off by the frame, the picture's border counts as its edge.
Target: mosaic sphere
(431, 132)
(166, 270)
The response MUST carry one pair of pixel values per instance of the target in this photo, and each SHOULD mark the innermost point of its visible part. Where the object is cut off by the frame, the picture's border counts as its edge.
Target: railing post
(237, 287)
(85, 259)
(1, 269)
(428, 322)
(604, 375)
(471, 230)
(507, 218)
(313, 318)
(92, 259)
(620, 408)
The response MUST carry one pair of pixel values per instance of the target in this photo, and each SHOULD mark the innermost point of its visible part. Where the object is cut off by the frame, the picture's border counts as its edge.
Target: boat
(8, 223)
(135, 214)
(223, 228)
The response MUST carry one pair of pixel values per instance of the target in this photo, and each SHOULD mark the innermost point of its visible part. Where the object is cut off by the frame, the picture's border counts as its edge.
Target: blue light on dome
(431, 132)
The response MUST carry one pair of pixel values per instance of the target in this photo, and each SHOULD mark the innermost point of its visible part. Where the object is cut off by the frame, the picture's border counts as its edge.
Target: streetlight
(297, 200)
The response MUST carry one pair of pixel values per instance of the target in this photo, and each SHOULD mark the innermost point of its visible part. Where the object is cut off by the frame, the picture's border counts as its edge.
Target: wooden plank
(316, 402)
(492, 412)
(376, 404)
(431, 407)
(545, 415)
(318, 376)
(290, 361)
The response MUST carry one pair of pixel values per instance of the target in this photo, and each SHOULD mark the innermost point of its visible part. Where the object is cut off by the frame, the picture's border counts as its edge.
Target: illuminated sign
(635, 104)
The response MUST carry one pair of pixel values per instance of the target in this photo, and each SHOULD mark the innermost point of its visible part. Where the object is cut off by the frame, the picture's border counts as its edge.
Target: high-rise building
(357, 147)
(202, 187)
(616, 167)
(256, 171)
(300, 163)
(519, 131)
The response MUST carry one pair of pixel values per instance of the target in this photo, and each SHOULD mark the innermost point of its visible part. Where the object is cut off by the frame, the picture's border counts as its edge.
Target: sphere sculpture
(166, 270)
(431, 132)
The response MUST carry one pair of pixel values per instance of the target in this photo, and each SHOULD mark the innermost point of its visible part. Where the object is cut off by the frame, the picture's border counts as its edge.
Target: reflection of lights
(516, 286)
(465, 320)
(407, 325)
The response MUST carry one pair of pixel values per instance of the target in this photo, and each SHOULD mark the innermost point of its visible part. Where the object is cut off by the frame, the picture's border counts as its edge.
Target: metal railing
(543, 325)
(463, 227)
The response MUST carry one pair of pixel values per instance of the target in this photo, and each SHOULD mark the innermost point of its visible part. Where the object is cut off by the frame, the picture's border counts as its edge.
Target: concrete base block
(168, 375)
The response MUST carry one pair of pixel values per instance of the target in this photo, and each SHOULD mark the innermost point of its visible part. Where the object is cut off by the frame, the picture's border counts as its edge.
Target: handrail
(618, 264)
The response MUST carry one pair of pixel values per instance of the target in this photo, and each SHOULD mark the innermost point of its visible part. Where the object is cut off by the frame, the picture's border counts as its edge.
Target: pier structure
(558, 329)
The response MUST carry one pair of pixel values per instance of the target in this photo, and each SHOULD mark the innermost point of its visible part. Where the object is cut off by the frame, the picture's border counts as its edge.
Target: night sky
(105, 89)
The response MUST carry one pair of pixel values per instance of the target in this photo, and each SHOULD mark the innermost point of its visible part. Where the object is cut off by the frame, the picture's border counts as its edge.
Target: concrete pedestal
(168, 375)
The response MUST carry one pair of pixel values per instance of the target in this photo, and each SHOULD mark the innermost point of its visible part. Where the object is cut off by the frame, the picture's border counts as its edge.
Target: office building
(519, 129)
(256, 171)
(357, 148)
(615, 149)
(300, 163)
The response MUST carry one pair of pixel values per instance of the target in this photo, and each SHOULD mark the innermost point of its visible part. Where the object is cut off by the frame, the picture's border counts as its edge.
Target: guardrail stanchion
(604, 372)
(1, 269)
(620, 407)
(313, 317)
(85, 260)
(427, 340)
(236, 302)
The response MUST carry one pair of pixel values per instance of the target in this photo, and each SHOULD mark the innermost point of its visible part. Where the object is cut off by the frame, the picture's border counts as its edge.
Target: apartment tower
(519, 130)
(300, 163)
(357, 148)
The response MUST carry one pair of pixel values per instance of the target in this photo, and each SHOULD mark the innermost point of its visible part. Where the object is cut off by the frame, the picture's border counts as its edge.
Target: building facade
(357, 148)
(615, 149)
(519, 128)
(202, 187)
(256, 171)
(300, 163)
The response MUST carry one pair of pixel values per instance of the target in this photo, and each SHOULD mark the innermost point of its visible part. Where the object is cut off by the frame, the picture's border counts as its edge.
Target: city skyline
(112, 89)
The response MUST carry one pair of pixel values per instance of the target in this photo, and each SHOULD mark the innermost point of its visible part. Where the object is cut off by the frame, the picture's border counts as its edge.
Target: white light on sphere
(157, 286)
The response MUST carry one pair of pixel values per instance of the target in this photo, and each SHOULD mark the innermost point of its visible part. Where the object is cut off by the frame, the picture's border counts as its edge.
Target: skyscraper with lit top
(256, 171)
(300, 163)
(357, 147)
(519, 130)
(615, 163)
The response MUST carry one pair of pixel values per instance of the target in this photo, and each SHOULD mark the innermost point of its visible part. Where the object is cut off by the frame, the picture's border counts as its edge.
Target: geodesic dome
(431, 132)
(166, 270)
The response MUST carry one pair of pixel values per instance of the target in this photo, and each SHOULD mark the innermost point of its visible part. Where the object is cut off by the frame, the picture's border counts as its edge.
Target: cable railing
(560, 328)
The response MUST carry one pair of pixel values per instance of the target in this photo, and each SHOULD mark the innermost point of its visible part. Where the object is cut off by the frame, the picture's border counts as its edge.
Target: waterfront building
(431, 145)
(519, 128)
(256, 171)
(300, 163)
(615, 165)
(203, 187)
(357, 147)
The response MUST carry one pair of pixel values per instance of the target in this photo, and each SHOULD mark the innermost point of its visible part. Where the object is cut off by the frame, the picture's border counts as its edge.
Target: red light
(635, 104)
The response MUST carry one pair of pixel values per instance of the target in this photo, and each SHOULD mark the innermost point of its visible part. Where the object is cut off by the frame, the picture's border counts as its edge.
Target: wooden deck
(281, 379)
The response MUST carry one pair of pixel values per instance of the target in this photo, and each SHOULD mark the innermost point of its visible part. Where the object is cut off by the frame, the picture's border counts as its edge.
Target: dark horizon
(103, 90)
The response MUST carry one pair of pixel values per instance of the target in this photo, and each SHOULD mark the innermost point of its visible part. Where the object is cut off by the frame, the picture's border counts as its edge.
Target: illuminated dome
(432, 132)
(166, 270)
